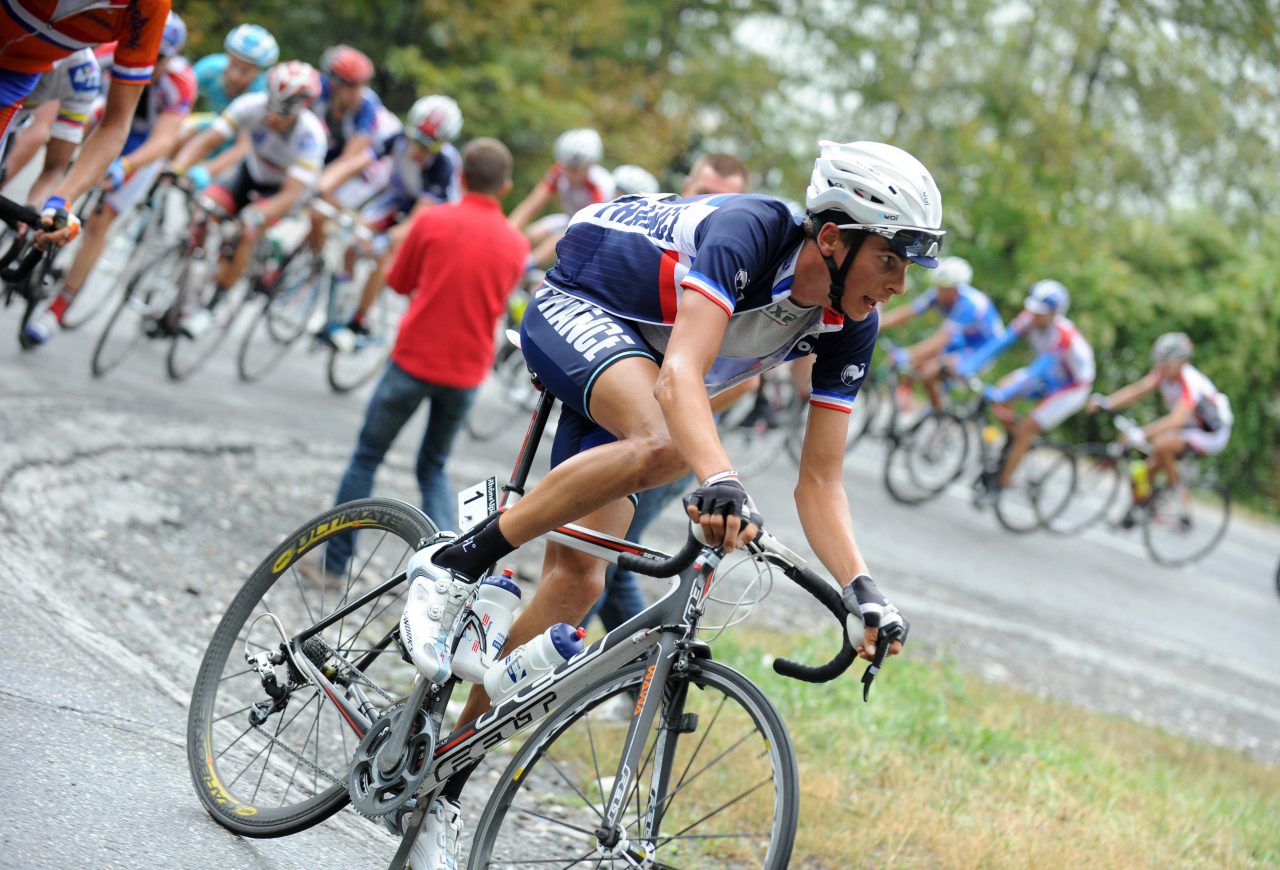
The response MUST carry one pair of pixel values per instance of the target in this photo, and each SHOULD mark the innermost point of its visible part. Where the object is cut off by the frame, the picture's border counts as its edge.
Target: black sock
(453, 785)
(475, 551)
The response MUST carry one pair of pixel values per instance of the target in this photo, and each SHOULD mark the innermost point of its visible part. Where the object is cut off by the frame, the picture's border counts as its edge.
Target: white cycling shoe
(435, 600)
(437, 845)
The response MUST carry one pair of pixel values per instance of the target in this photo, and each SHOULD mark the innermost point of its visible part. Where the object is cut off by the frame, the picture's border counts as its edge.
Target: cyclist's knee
(657, 461)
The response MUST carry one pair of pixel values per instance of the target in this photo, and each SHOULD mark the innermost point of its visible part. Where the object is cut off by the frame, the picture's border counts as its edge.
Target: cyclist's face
(279, 123)
(346, 95)
(877, 275)
(707, 180)
(237, 76)
(1170, 369)
(1042, 321)
(577, 174)
(947, 296)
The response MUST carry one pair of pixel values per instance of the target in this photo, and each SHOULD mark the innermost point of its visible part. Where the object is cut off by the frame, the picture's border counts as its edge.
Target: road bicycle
(304, 702)
(937, 450)
(1178, 526)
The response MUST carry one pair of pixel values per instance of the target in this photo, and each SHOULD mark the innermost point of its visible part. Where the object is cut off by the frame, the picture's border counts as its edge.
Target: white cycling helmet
(252, 44)
(291, 87)
(629, 178)
(174, 36)
(1172, 347)
(434, 118)
(952, 272)
(881, 189)
(1047, 297)
(580, 147)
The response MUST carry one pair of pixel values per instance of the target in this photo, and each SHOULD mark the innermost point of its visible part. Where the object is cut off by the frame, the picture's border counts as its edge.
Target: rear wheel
(1182, 527)
(923, 460)
(283, 317)
(351, 369)
(188, 353)
(141, 312)
(717, 776)
(266, 766)
(1040, 489)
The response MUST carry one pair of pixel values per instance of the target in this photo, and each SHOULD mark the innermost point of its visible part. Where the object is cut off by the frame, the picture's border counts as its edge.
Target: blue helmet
(1047, 297)
(174, 37)
(252, 44)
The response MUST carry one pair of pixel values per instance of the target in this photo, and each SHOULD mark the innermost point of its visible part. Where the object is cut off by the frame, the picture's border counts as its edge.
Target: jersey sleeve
(736, 246)
(311, 146)
(83, 85)
(179, 93)
(139, 41)
(843, 359)
(366, 120)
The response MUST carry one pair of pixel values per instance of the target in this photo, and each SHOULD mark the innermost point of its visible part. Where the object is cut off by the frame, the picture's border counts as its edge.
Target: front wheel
(283, 318)
(270, 756)
(141, 313)
(1183, 526)
(1040, 489)
(717, 784)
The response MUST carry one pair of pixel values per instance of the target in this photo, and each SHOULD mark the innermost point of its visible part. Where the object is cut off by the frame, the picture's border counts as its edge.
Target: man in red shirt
(459, 263)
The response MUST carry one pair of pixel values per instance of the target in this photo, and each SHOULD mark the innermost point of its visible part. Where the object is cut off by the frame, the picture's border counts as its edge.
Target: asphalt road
(130, 506)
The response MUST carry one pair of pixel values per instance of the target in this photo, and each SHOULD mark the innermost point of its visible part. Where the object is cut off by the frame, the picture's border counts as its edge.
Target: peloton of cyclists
(284, 163)
(970, 320)
(157, 123)
(1198, 420)
(249, 50)
(1059, 378)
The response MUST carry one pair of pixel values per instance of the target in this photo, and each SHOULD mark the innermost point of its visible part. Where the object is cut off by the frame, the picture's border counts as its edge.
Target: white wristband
(727, 474)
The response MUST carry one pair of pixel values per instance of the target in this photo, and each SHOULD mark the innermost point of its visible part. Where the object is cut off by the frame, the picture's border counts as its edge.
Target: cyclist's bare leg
(643, 456)
(931, 377)
(229, 271)
(1164, 458)
(571, 582)
(1023, 434)
(92, 241)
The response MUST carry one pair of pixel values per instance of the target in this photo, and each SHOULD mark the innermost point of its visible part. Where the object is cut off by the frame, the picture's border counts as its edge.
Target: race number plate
(477, 502)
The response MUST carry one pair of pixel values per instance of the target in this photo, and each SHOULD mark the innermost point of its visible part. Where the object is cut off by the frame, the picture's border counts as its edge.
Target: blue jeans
(622, 599)
(394, 401)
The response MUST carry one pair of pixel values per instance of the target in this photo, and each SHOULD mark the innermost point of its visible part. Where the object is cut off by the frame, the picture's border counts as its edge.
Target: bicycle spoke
(546, 818)
(714, 812)
(567, 781)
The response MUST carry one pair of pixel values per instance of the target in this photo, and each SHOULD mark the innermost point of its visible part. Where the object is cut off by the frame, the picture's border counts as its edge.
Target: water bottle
(543, 654)
(486, 629)
(1141, 479)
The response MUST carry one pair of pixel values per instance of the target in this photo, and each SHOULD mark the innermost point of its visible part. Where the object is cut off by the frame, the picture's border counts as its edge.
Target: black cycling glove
(725, 498)
(863, 599)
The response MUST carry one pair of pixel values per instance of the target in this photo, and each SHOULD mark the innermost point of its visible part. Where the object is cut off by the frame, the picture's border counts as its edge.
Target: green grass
(943, 770)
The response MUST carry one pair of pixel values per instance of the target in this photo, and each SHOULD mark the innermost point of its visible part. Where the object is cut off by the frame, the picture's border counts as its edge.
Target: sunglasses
(911, 243)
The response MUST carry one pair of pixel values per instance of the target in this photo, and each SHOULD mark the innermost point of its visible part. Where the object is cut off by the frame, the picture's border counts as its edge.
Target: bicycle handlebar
(13, 214)
(652, 566)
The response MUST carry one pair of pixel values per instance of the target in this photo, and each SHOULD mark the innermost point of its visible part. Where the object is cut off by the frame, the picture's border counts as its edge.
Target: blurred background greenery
(1129, 148)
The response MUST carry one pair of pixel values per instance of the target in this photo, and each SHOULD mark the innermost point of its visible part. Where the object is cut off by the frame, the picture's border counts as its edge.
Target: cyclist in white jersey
(288, 145)
(1059, 378)
(1199, 417)
(576, 179)
(654, 304)
(55, 115)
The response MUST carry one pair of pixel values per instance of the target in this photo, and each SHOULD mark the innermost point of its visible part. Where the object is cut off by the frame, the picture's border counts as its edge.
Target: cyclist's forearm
(823, 508)
(104, 144)
(159, 145)
(529, 206)
(276, 207)
(1127, 395)
(1171, 422)
(929, 347)
(197, 149)
(343, 170)
(895, 316)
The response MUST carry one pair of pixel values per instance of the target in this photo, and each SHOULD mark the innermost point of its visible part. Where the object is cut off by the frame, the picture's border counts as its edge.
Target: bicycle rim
(1178, 532)
(286, 773)
(281, 321)
(731, 797)
(1097, 489)
(350, 370)
(1040, 488)
(146, 298)
(938, 446)
(505, 398)
(108, 275)
(188, 355)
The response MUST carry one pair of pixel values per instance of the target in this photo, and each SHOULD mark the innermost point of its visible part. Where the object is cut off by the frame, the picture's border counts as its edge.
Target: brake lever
(884, 640)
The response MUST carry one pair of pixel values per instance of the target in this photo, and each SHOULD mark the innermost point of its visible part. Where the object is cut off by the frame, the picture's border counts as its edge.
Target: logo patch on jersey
(85, 77)
(741, 280)
(804, 346)
(852, 373)
(779, 312)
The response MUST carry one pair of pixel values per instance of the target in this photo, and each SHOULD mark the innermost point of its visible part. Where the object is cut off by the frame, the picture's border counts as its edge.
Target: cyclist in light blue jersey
(970, 320)
(249, 51)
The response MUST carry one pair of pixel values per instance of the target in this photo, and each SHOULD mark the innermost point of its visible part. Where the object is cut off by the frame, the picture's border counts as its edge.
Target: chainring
(376, 794)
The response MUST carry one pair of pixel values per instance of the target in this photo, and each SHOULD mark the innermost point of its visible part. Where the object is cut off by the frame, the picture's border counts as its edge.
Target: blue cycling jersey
(362, 122)
(213, 91)
(972, 320)
(636, 256)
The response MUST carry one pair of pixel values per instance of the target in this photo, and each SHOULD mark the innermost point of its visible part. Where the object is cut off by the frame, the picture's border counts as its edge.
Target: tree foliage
(1125, 147)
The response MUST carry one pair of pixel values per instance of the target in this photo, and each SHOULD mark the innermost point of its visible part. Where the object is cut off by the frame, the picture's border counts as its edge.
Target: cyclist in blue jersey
(657, 303)
(424, 171)
(970, 320)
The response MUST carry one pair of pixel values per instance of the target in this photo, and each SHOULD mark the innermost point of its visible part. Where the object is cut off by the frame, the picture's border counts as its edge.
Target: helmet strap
(839, 272)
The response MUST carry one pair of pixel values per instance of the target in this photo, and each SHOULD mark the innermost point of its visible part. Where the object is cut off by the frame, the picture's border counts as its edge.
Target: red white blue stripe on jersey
(833, 401)
(709, 289)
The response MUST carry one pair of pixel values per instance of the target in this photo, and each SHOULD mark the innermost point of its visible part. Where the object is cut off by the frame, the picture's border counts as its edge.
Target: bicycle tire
(39, 287)
(901, 467)
(281, 321)
(1041, 487)
(1099, 481)
(350, 370)
(504, 400)
(1209, 502)
(752, 707)
(149, 293)
(108, 275)
(224, 682)
(189, 355)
